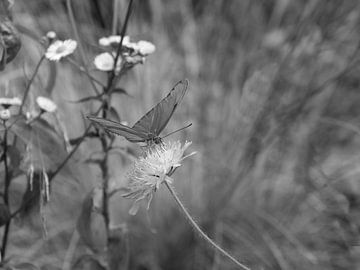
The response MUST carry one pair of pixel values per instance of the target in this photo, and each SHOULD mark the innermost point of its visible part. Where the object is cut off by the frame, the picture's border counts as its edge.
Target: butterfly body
(149, 127)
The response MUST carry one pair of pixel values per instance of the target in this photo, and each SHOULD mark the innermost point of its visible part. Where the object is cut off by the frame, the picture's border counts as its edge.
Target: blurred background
(274, 101)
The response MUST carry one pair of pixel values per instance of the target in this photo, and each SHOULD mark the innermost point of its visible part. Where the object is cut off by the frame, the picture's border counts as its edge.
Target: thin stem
(118, 51)
(70, 154)
(6, 195)
(81, 48)
(200, 231)
(27, 90)
(83, 70)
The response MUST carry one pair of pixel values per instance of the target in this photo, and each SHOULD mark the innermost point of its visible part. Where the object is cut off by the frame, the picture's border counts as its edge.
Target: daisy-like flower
(107, 41)
(60, 49)
(7, 102)
(145, 47)
(150, 171)
(46, 104)
(105, 62)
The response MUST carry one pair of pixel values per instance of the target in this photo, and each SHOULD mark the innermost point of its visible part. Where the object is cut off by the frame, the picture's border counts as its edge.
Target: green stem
(27, 90)
(200, 231)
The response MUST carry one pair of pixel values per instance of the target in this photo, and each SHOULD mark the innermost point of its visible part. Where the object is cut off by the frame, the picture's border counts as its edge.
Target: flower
(150, 171)
(51, 35)
(105, 62)
(46, 104)
(107, 41)
(7, 102)
(145, 47)
(60, 49)
(5, 114)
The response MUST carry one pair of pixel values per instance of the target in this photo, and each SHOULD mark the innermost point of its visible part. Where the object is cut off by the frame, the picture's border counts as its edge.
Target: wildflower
(133, 60)
(60, 49)
(5, 114)
(105, 62)
(51, 35)
(150, 171)
(46, 104)
(7, 102)
(145, 47)
(108, 41)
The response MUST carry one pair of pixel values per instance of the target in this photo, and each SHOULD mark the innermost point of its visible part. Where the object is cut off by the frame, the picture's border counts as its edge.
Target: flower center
(61, 49)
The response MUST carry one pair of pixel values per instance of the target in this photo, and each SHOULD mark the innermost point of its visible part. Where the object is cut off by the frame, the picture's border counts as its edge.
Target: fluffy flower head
(105, 62)
(60, 49)
(46, 104)
(150, 171)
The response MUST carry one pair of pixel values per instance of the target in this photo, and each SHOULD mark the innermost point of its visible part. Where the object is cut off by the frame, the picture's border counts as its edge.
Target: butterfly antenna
(189, 125)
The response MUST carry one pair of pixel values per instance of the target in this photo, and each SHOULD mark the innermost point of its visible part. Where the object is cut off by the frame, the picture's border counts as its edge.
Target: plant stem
(6, 195)
(27, 90)
(200, 231)
(81, 47)
(112, 75)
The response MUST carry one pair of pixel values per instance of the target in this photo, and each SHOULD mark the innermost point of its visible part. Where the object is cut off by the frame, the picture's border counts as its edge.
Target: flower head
(110, 40)
(51, 35)
(105, 62)
(60, 49)
(7, 102)
(150, 171)
(46, 104)
(5, 114)
(145, 47)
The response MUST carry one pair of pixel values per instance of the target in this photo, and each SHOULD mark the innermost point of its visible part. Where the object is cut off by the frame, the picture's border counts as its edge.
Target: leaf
(118, 247)
(24, 266)
(4, 214)
(91, 224)
(98, 98)
(31, 197)
(15, 157)
(113, 115)
(47, 148)
(88, 262)
(120, 91)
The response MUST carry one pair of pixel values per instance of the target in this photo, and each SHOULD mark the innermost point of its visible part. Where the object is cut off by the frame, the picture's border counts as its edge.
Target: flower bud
(5, 114)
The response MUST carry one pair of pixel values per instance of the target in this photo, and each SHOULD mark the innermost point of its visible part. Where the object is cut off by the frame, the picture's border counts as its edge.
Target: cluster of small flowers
(45, 104)
(6, 103)
(132, 53)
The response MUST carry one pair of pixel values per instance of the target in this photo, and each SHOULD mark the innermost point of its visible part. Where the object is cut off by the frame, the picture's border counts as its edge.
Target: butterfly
(149, 127)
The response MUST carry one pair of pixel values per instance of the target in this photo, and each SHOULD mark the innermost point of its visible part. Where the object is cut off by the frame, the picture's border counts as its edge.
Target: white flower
(5, 114)
(7, 102)
(150, 171)
(105, 62)
(51, 35)
(107, 41)
(145, 47)
(60, 49)
(46, 104)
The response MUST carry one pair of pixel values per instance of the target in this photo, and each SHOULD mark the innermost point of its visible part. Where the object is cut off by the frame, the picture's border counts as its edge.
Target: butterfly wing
(155, 120)
(114, 127)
